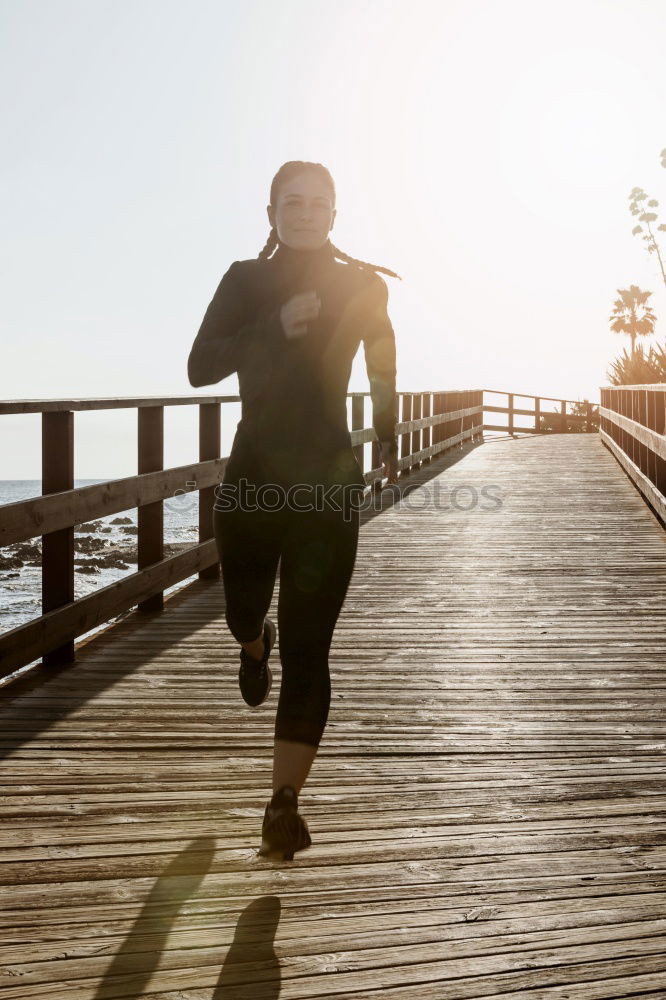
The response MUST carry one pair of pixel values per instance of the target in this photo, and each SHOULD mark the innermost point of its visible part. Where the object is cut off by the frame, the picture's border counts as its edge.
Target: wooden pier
(487, 807)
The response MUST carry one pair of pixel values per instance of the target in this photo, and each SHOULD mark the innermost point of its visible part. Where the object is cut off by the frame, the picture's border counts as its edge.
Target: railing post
(623, 410)
(376, 459)
(510, 409)
(58, 546)
(477, 419)
(427, 412)
(660, 428)
(150, 516)
(640, 418)
(613, 404)
(448, 409)
(469, 420)
(629, 399)
(629, 403)
(439, 431)
(357, 418)
(457, 423)
(445, 425)
(442, 426)
(563, 415)
(537, 413)
(406, 437)
(209, 447)
(651, 423)
(417, 399)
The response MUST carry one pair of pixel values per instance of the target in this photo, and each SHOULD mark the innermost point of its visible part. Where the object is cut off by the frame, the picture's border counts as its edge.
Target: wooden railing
(428, 423)
(633, 427)
(545, 422)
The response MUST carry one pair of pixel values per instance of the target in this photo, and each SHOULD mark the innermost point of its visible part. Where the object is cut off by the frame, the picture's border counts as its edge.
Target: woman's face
(304, 213)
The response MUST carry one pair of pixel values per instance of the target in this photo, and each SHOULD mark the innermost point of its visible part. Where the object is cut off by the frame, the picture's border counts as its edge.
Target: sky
(485, 151)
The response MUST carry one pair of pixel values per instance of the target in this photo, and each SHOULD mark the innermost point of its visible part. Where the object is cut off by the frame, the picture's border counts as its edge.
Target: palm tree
(625, 316)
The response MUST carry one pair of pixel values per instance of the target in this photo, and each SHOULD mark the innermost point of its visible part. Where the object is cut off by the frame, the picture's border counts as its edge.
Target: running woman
(290, 322)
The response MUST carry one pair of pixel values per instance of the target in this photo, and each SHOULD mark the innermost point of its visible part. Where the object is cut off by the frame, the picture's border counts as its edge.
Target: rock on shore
(96, 554)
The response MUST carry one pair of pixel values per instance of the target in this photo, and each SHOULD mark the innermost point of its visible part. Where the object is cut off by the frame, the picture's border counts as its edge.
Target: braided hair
(287, 171)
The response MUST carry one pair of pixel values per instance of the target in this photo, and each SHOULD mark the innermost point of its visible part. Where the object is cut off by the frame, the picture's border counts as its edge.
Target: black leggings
(316, 551)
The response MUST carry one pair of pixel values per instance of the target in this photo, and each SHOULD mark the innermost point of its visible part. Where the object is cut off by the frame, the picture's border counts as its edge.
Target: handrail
(530, 395)
(653, 386)
(427, 423)
(544, 423)
(104, 403)
(633, 428)
(124, 402)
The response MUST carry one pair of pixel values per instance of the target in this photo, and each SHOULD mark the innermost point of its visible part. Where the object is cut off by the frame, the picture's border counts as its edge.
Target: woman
(290, 325)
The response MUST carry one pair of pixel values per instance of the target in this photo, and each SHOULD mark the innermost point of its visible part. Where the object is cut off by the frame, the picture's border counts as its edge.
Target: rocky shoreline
(93, 553)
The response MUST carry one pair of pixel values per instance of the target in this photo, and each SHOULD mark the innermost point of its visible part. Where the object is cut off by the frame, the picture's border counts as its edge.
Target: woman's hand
(297, 312)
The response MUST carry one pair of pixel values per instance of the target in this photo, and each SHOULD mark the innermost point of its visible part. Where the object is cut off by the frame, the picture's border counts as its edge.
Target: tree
(639, 369)
(631, 315)
(552, 422)
(589, 411)
(636, 198)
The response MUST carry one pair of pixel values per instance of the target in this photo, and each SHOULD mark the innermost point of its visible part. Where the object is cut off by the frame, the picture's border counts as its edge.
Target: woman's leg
(291, 763)
(318, 556)
(248, 544)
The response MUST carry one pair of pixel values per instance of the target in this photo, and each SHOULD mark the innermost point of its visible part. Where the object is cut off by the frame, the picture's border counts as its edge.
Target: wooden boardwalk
(487, 807)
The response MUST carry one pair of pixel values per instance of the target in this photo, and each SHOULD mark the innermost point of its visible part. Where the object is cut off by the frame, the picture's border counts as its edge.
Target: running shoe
(284, 830)
(255, 677)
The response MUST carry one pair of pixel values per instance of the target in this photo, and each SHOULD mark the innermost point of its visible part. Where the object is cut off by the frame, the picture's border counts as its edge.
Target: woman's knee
(300, 729)
(243, 627)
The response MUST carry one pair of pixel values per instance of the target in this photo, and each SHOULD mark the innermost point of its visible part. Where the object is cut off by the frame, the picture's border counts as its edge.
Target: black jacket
(293, 391)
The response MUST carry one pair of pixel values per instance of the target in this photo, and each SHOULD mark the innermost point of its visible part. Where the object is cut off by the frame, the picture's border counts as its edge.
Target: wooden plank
(116, 402)
(536, 412)
(26, 642)
(210, 445)
(41, 515)
(63, 509)
(58, 546)
(517, 430)
(527, 395)
(150, 516)
(357, 419)
(487, 805)
(652, 439)
(642, 483)
(405, 439)
(106, 403)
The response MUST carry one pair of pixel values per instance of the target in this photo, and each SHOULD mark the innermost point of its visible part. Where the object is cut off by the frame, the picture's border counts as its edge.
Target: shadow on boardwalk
(487, 807)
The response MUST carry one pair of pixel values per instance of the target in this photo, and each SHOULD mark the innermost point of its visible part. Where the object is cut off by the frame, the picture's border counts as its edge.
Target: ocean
(99, 541)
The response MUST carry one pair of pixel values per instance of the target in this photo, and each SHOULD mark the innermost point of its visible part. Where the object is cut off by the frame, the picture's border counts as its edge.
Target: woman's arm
(380, 362)
(225, 340)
